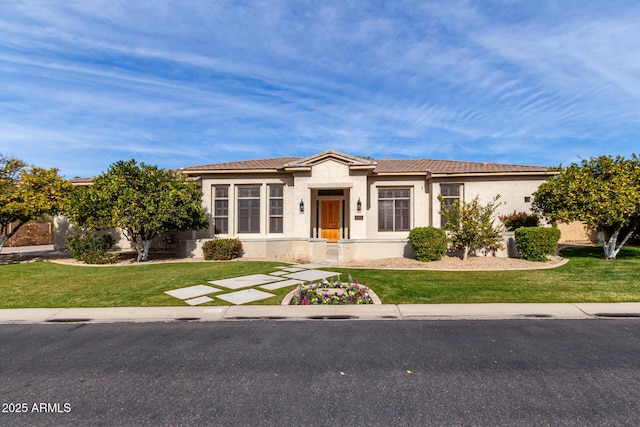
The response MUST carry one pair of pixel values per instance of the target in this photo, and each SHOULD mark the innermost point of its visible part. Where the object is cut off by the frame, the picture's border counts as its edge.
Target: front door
(330, 220)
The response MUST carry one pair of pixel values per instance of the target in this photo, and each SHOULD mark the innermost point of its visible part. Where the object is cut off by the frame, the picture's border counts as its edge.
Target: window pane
(222, 226)
(403, 193)
(276, 207)
(276, 191)
(330, 192)
(275, 225)
(248, 192)
(450, 190)
(402, 215)
(249, 216)
(222, 208)
(385, 215)
(385, 193)
(222, 192)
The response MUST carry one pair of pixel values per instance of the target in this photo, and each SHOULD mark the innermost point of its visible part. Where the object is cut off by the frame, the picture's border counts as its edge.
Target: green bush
(222, 249)
(535, 243)
(521, 219)
(99, 256)
(91, 248)
(428, 243)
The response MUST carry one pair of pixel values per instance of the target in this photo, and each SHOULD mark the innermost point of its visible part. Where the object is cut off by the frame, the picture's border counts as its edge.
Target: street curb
(567, 311)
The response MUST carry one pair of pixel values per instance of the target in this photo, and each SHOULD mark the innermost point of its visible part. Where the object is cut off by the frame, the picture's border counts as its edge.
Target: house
(297, 208)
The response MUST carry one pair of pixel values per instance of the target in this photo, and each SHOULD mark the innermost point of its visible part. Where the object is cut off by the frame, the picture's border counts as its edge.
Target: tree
(27, 193)
(603, 192)
(142, 201)
(471, 225)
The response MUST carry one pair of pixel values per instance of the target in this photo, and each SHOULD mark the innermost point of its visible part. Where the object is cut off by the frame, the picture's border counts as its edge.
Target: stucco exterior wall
(512, 193)
(278, 249)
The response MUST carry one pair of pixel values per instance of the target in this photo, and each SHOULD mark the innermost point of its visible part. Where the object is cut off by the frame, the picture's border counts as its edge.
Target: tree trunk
(142, 247)
(465, 253)
(7, 236)
(611, 249)
(3, 240)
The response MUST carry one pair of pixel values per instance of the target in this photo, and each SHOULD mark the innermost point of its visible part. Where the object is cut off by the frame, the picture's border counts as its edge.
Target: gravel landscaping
(456, 264)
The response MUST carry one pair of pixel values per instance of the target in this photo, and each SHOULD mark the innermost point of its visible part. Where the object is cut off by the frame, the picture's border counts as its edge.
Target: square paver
(311, 275)
(198, 301)
(293, 269)
(192, 291)
(246, 281)
(243, 297)
(278, 285)
(278, 273)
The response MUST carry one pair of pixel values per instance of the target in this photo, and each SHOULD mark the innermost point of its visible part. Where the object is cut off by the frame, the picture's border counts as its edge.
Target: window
(249, 209)
(450, 193)
(527, 199)
(276, 208)
(221, 210)
(393, 209)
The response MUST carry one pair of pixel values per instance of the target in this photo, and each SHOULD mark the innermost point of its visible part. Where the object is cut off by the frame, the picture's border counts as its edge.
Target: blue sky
(179, 83)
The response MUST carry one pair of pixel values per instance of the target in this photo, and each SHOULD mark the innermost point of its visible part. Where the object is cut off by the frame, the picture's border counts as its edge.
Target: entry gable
(352, 162)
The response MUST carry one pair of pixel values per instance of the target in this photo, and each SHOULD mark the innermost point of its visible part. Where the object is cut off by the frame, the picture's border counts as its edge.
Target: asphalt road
(276, 373)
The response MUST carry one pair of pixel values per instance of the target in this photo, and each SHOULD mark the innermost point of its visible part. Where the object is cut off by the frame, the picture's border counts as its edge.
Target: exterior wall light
(301, 206)
(359, 205)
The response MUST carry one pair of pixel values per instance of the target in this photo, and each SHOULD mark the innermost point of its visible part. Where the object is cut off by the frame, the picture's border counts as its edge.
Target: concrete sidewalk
(358, 312)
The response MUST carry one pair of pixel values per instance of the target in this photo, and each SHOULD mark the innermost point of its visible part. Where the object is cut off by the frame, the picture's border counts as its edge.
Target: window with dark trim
(450, 193)
(394, 209)
(221, 210)
(276, 209)
(249, 209)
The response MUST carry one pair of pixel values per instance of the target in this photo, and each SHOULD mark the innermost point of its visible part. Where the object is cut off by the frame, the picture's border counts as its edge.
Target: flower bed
(332, 292)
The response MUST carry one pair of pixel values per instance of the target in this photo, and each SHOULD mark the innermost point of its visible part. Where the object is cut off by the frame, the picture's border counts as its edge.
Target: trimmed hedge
(428, 243)
(535, 243)
(222, 249)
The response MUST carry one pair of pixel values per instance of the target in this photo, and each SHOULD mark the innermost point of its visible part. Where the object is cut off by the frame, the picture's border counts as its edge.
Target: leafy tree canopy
(142, 201)
(471, 225)
(603, 192)
(27, 193)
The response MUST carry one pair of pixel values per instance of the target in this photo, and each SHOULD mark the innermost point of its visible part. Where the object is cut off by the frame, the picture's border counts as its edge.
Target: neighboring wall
(31, 233)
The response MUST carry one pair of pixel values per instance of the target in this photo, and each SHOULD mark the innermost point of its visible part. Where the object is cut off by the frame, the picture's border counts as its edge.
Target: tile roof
(274, 163)
(451, 167)
(382, 166)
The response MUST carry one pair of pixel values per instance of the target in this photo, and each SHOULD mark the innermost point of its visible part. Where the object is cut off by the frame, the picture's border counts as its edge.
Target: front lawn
(588, 277)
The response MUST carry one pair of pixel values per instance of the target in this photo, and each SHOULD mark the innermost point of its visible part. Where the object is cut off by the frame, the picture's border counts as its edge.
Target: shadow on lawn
(597, 252)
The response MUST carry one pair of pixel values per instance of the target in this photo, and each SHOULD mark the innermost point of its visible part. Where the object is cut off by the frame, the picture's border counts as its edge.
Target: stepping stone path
(286, 276)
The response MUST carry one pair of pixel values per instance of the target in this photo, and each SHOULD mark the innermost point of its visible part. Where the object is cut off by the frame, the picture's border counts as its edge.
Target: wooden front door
(330, 220)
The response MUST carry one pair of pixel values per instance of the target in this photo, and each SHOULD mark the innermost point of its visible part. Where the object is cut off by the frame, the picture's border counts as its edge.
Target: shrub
(90, 247)
(99, 256)
(521, 219)
(535, 243)
(222, 249)
(428, 243)
(470, 225)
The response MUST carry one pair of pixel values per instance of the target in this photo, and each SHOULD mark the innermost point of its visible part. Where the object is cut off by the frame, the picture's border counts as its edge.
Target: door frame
(316, 230)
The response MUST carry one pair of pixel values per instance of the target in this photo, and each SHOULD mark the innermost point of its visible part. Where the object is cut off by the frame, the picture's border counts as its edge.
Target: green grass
(588, 277)
(46, 284)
